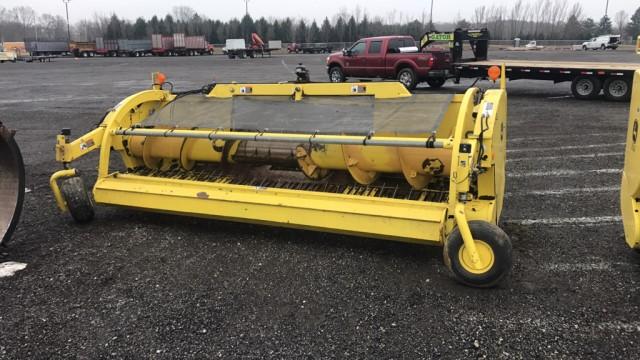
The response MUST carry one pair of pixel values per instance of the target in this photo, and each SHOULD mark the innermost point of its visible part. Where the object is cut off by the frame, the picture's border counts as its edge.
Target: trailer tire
(617, 89)
(78, 200)
(586, 87)
(493, 245)
(407, 77)
(436, 83)
(336, 75)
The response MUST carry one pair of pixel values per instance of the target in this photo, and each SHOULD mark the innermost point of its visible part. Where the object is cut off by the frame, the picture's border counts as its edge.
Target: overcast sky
(317, 9)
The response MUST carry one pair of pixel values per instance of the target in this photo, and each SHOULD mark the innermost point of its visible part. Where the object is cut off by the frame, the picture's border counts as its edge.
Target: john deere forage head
(11, 184)
(367, 159)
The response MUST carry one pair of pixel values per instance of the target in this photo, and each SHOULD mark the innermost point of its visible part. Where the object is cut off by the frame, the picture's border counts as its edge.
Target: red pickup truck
(390, 57)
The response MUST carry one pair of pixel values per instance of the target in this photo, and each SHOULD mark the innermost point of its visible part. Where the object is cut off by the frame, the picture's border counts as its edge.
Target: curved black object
(12, 184)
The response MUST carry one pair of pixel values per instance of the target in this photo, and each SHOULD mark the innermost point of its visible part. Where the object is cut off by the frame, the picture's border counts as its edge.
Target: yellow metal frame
(638, 46)
(630, 188)
(394, 219)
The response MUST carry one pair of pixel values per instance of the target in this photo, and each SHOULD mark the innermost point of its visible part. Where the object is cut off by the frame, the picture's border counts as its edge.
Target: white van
(603, 42)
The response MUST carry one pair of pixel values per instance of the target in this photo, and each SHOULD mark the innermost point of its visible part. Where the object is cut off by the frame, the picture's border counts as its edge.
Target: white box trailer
(274, 45)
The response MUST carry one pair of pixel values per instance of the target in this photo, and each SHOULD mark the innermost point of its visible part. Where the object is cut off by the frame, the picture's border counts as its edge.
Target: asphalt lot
(138, 285)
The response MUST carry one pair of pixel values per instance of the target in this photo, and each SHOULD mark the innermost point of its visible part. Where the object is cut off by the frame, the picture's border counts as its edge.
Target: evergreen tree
(287, 30)
(314, 33)
(605, 26)
(154, 24)
(170, 25)
(363, 27)
(301, 32)
(352, 30)
(140, 29)
(339, 31)
(247, 27)
(114, 28)
(590, 28)
(325, 31)
(573, 29)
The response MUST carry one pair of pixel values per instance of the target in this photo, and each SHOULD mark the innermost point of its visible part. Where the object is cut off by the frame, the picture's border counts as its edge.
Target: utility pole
(431, 18)
(246, 7)
(66, 5)
(606, 10)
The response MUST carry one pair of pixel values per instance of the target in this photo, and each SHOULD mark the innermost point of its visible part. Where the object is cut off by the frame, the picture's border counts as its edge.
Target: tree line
(540, 19)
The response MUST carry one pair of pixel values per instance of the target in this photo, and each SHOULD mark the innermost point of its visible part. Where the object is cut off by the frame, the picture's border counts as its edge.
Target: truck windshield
(358, 48)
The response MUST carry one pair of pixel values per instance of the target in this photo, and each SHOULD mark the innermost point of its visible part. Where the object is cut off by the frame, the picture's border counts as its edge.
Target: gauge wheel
(494, 249)
(336, 75)
(77, 199)
(407, 77)
(586, 87)
(617, 89)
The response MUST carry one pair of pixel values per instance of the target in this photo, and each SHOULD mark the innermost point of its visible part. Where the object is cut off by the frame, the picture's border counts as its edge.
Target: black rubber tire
(614, 84)
(412, 81)
(502, 252)
(584, 47)
(603, 47)
(12, 180)
(436, 83)
(78, 200)
(579, 92)
(336, 75)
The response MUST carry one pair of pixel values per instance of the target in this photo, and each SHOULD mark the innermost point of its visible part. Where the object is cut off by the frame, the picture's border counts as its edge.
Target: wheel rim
(335, 76)
(584, 87)
(485, 252)
(618, 88)
(406, 79)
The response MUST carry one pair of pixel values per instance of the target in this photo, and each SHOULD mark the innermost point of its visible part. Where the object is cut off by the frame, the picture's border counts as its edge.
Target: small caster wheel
(494, 250)
(78, 200)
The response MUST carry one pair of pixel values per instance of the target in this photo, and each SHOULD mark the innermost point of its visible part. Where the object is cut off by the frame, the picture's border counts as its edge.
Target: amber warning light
(158, 78)
(494, 73)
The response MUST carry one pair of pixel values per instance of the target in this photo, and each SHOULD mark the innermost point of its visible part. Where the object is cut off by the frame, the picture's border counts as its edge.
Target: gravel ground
(138, 285)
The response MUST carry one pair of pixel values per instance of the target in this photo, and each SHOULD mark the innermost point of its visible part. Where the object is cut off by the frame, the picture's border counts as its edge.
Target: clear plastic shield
(351, 115)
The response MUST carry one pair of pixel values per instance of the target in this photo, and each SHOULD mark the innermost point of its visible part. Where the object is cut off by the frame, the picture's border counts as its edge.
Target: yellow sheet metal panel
(402, 220)
(630, 188)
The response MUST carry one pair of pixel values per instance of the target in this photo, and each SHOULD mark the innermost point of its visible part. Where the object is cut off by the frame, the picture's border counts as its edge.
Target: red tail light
(431, 61)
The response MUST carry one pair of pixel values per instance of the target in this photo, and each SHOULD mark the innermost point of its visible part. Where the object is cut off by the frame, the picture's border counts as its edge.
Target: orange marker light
(494, 73)
(159, 78)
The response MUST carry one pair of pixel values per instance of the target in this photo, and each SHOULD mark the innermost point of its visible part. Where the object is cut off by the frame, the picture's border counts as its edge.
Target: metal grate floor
(379, 189)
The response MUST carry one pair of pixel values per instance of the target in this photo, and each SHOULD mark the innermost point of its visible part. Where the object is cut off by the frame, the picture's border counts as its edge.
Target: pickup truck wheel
(617, 89)
(436, 83)
(586, 87)
(603, 47)
(336, 75)
(584, 47)
(407, 77)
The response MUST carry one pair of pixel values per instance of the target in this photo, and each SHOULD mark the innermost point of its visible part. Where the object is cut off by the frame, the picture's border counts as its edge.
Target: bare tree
(621, 18)
(26, 16)
(479, 17)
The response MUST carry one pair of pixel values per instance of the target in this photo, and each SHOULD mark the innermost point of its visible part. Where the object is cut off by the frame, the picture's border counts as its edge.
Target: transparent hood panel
(355, 115)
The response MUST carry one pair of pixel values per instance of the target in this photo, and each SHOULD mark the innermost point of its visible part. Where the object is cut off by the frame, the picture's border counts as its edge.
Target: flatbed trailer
(587, 79)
